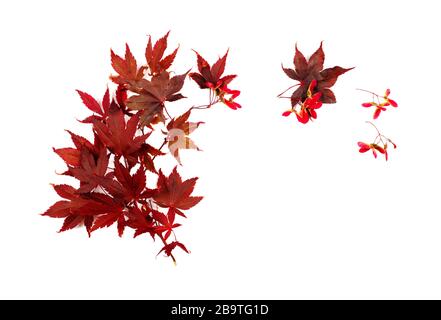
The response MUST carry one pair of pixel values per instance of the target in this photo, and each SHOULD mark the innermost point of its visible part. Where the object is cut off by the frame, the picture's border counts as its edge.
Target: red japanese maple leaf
(123, 185)
(210, 77)
(305, 72)
(152, 95)
(175, 193)
(167, 249)
(126, 68)
(107, 107)
(81, 208)
(89, 169)
(119, 135)
(155, 53)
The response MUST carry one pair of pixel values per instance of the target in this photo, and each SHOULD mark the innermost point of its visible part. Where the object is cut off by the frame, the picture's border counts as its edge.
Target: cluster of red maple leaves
(112, 170)
(313, 90)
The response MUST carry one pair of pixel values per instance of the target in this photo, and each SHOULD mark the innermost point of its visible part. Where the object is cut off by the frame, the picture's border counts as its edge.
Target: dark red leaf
(173, 192)
(309, 72)
(119, 135)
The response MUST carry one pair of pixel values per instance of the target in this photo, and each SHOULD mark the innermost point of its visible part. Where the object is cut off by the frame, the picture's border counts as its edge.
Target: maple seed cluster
(307, 107)
(314, 84)
(379, 105)
(380, 142)
(112, 170)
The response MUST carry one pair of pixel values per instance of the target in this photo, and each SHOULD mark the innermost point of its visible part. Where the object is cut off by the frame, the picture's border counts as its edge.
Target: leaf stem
(166, 111)
(377, 95)
(378, 131)
(280, 95)
(379, 135)
(160, 148)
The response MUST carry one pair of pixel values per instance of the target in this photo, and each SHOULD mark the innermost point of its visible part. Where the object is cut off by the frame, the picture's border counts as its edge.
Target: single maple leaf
(72, 156)
(306, 71)
(103, 110)
(123, 185)
(126, 68)
(211, 77)
(153, 94)
(140, 220)
(79, 209)
(165, 223)
(155, 53)
(119, 135)
(174, 193)
(178, 130)
(89, 168)
(168, 248)
(92, 104)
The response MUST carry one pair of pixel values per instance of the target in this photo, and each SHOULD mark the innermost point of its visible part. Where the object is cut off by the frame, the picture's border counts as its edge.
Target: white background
(290, 210)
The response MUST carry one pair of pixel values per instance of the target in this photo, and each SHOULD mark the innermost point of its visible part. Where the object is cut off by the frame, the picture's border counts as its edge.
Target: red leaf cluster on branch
(113, 170)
